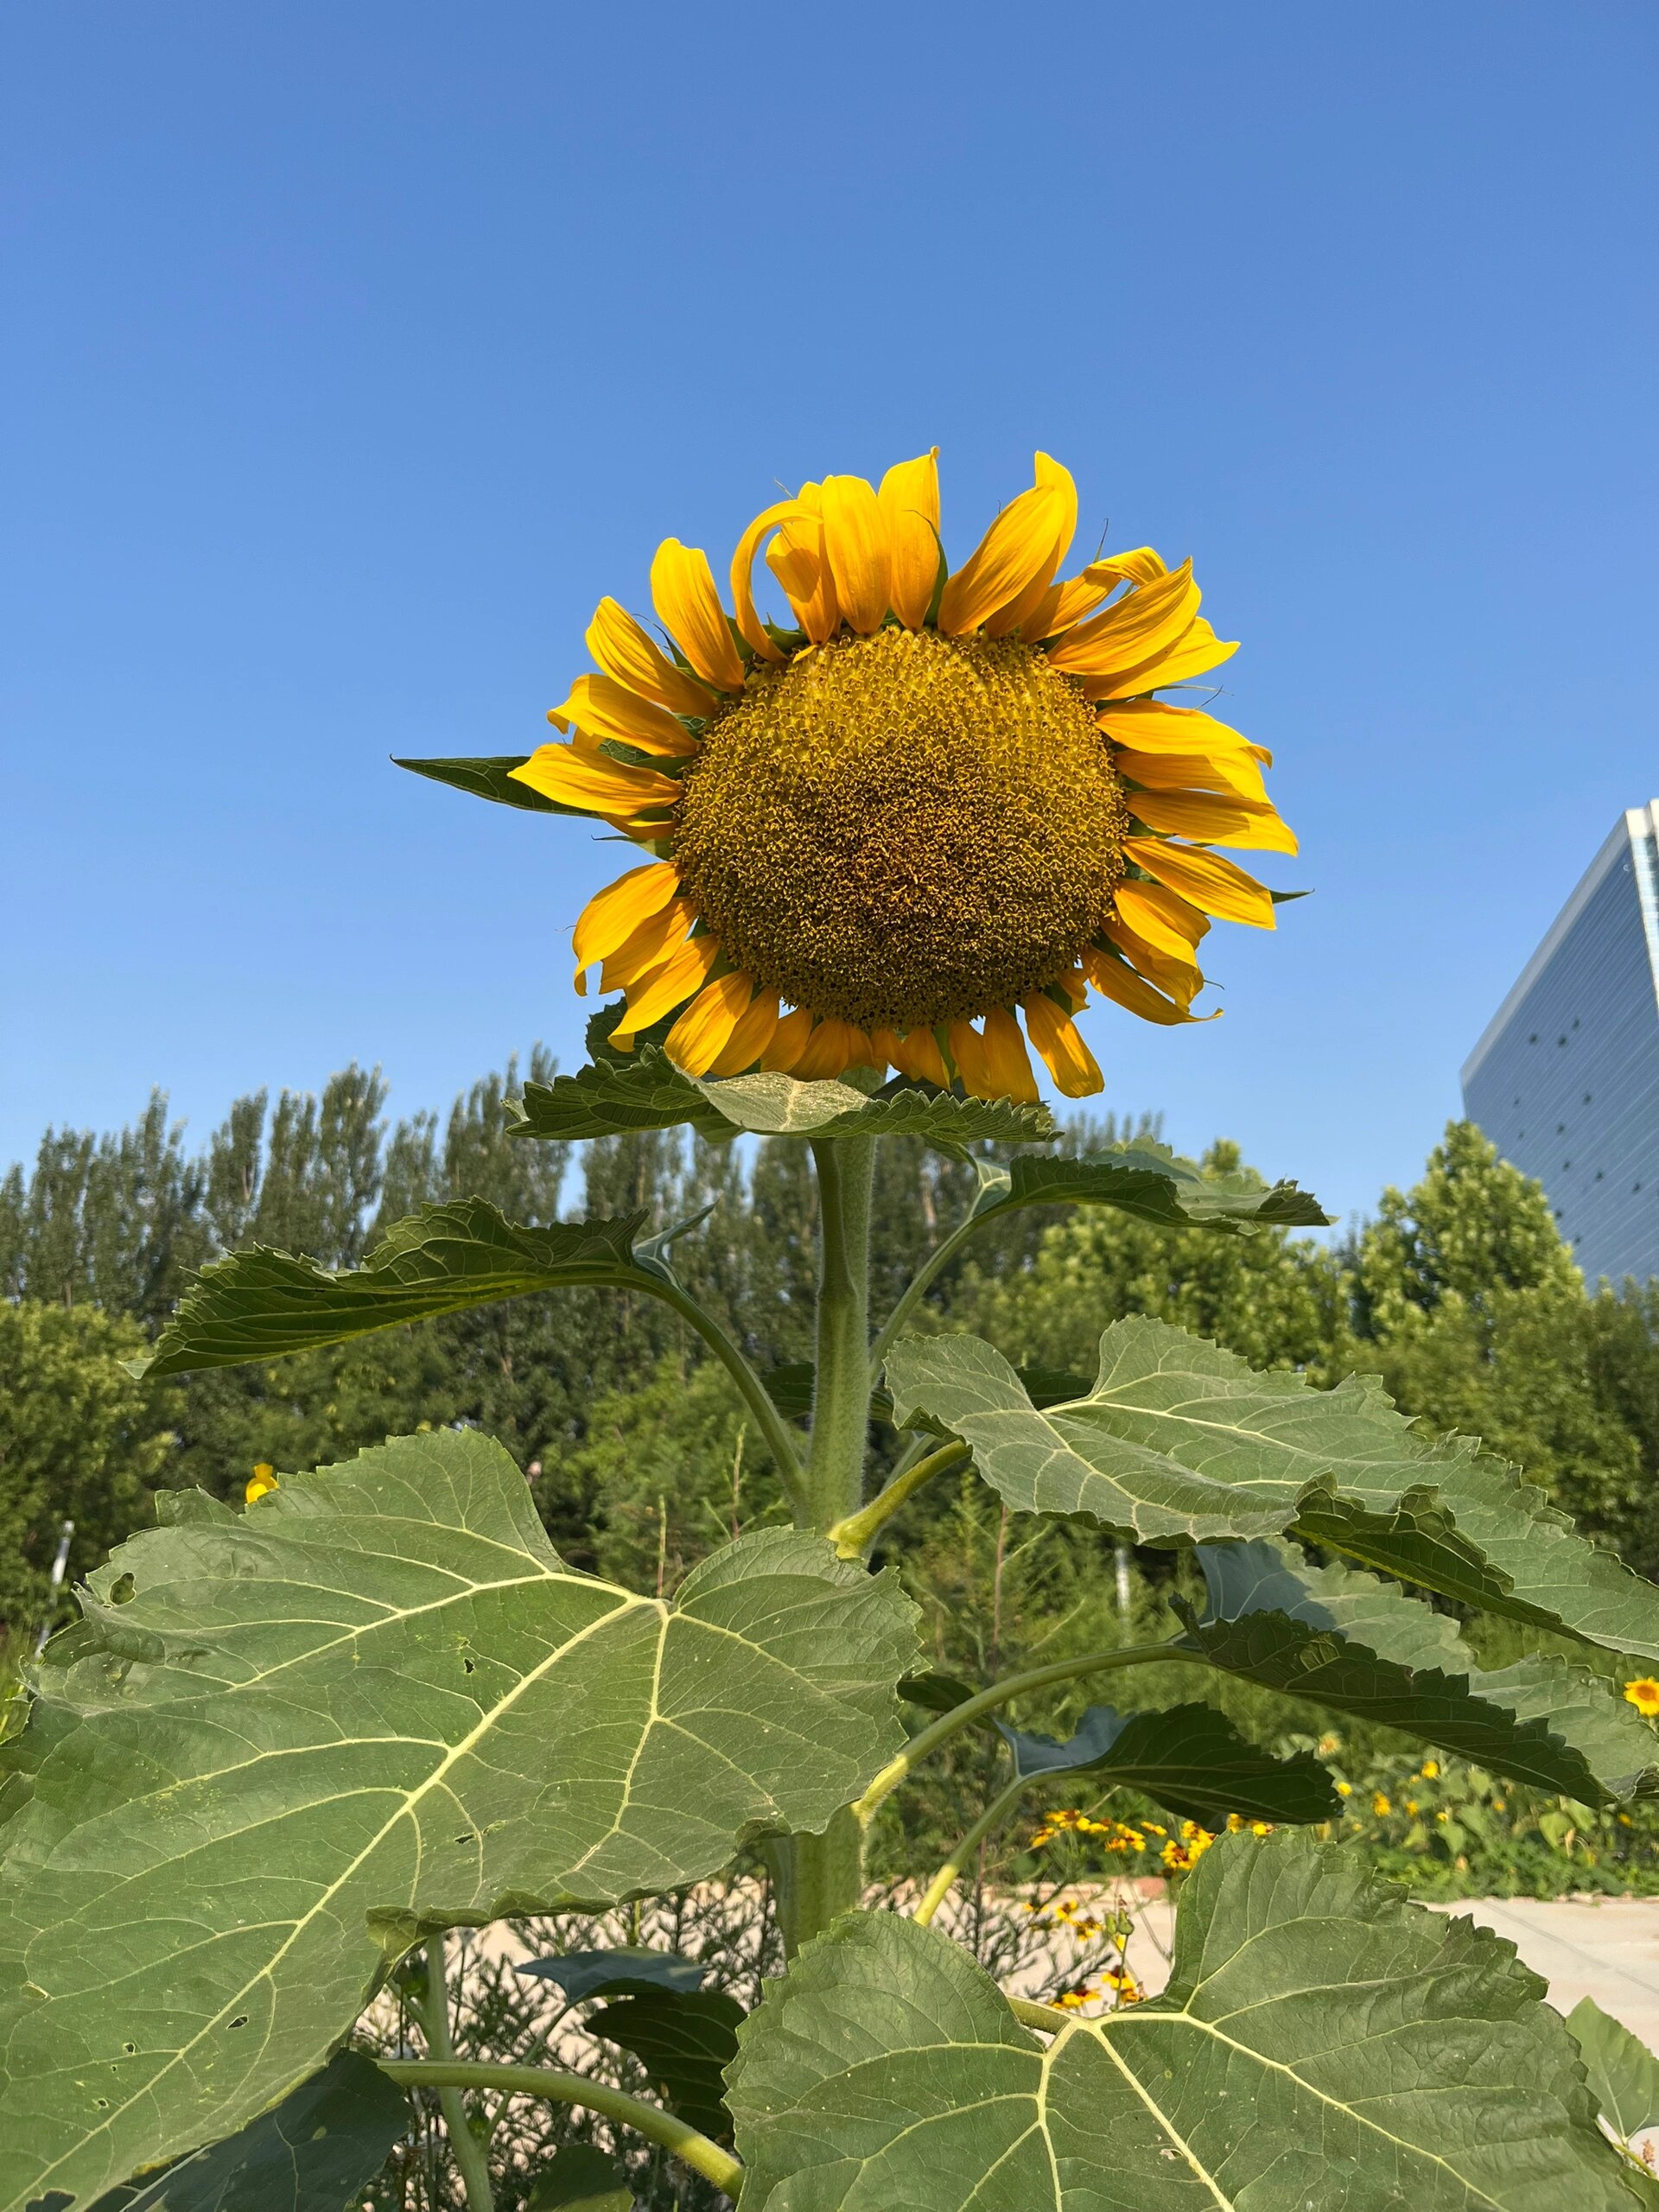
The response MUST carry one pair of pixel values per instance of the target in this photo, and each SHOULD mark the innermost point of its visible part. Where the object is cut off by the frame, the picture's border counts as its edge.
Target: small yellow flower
(1431, 1769)
(1500, 1805)
(1411, 1806)
(1345, 1790)
(263, 1478)
(1381, 1805)
(1071, 1999)
(1643, 1694)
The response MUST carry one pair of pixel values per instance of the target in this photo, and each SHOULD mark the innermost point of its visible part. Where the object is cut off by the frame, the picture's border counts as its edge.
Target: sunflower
(940, 803)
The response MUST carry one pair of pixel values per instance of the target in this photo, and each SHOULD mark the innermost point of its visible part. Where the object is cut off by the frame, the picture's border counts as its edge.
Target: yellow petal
(611, 916)
(1069, 1060)
(1131, 630)
(754, 630)
(973, 1062)
(594, 784)
(1111, 977)
(1176, 973)
(670, 986)
(1010, 1064)
(262, 1481)
(798, 558)
(1077, 597)
(705, 1030)
(1162, 916)
(1193, 653)
(601, 708)
(1029, 612)
(831, 1049)
(1189, 772)
(910, 500)
(856, 545)
(751, 1038)
(626, 653)
(1216, 885)
(1012, 552)
(1213, 820)
(917, 1054)
(1141, 564)
(689, 608)
(1155, 726)
(789, 1041)
(646, 949)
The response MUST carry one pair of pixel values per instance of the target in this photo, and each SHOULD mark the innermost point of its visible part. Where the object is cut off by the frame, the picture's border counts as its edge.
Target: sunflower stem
(822, 1876)
(993, 1817)
(452, 2076)
(471, 2162)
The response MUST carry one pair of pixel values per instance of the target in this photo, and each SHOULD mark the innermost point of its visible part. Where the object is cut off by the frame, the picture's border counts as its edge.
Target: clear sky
(350, 353)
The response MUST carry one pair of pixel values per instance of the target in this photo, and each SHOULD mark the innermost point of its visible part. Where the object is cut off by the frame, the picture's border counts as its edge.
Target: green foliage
(79, 1440)
(1623, 2073)
(684, 2040)
(1189, 1758)
(887, 2068)
(438, 1723)
(311, 2152)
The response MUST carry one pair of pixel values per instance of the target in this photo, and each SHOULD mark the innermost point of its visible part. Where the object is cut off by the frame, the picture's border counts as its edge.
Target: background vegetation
(1460, 1294)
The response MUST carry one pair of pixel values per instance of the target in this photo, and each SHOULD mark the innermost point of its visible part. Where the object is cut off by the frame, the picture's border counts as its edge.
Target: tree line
(1459, 1293)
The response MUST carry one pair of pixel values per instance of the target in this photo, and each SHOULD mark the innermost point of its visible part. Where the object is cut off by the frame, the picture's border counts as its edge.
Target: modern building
(1565, 1080)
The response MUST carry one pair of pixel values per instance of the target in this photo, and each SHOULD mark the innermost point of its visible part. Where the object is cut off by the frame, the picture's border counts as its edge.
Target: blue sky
(351, 353)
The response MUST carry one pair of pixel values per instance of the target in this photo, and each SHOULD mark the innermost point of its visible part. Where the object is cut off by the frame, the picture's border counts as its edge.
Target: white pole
(60, 1567)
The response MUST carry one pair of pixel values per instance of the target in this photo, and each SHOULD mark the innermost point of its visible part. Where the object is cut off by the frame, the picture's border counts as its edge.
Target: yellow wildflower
(1643, 1694)
(1381, 1805)
(263, 1478)
(1431, 1769)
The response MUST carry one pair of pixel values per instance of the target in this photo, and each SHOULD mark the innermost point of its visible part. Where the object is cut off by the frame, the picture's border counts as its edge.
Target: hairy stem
(945, 1880)
(471, 2162)
(841, 1402)
(780, 1438)
(975, 1709)
(650, 2121)
(852, 1537)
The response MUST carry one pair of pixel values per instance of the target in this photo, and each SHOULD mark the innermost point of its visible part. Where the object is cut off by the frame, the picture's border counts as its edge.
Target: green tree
(79, 1440)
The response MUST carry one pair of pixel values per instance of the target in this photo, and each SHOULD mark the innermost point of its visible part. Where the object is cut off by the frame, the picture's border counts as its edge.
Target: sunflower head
(935, 804)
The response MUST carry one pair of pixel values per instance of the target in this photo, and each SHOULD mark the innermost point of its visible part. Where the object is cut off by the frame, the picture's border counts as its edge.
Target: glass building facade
(1565, 1080)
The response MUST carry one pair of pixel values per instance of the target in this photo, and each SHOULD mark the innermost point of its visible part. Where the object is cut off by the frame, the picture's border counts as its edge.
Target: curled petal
(1161, 916)
(1016, 548)
(688, 606)
(1029, 612)
(788, 1042)
(1010, 1064)
(856, 544)
(705, 1030)
(601, 708)
(1216, 821)
(1115, 981)
(1057, 1038)
(833, 1047)
(646, 949)
(625, 652)
(754, 630)
(1141, 564)
(1131, 630)
(798, 558)
(611, 916)
(973, 1062)
(750, 1039)
(1194, 652)
(1176, 974)
(669, 986)
(910, 500)
(1214, 884)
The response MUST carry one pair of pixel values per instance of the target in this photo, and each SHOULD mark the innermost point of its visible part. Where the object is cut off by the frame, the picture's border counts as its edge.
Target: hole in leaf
(129, 2048)
(122, 1590)
(467, 1838)
(468, 1667)
(240, 2021)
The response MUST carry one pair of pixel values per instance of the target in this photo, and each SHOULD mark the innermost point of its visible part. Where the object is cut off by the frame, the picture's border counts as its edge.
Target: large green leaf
(583, 1975)
(489, 776)
(1191, 1758)
(1623, 2073)
(1359, 1646)
(1182, 1441)
(685, 2040)
(1150, 1181)
(1322, 2046)
(264, 1305)
(777, 1105)
(287, 1743)
(311, 2153)
(615, 1095)
(580, 2178)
